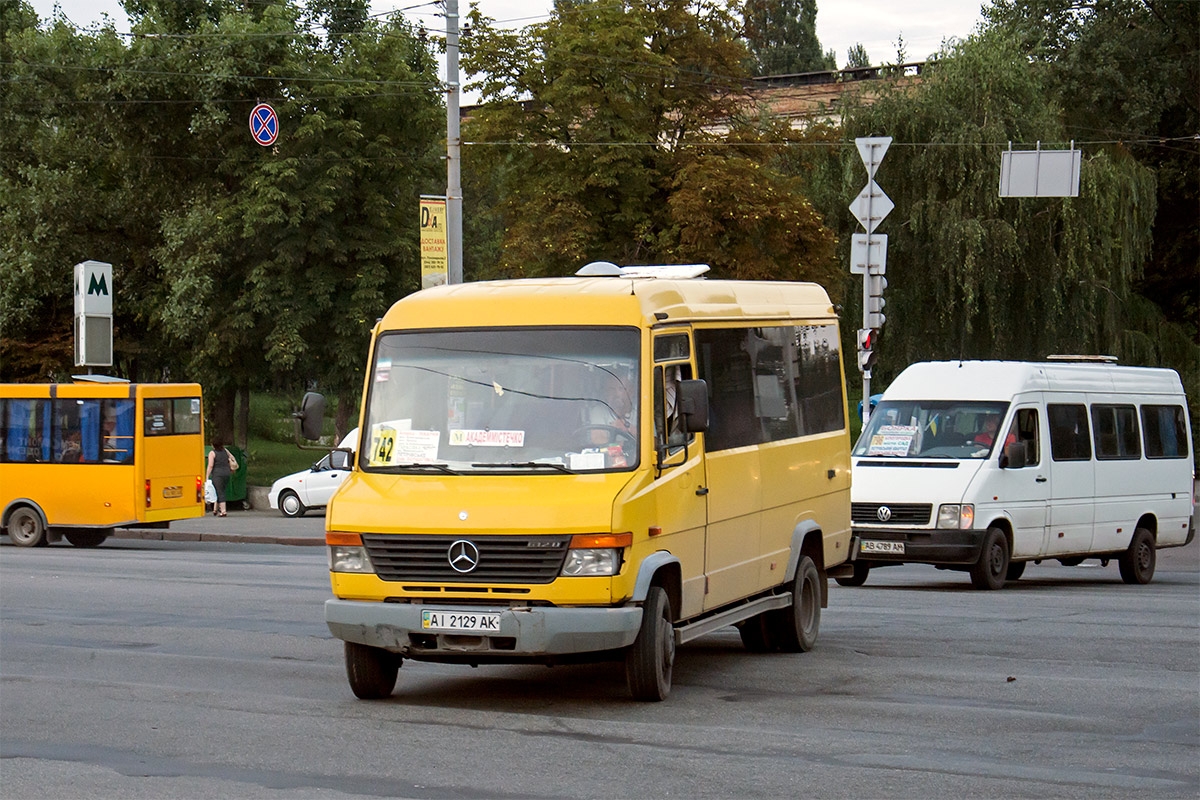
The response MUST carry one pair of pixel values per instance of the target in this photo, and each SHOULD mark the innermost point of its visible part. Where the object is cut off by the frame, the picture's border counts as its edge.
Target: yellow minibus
(590, 468)
(80, 459)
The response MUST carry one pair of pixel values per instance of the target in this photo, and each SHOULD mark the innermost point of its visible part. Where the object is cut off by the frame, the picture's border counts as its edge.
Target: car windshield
(530, 400)
(931, 429)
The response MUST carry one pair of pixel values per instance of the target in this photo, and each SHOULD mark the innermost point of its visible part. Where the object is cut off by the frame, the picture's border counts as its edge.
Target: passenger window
(116, 430)
(1165, 432)
(27, 431)
(1025, 431)
(1069, 437)
(1115, 429)
(668, 419)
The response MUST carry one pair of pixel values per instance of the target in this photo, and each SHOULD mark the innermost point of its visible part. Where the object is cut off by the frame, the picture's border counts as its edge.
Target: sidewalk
(246, 527)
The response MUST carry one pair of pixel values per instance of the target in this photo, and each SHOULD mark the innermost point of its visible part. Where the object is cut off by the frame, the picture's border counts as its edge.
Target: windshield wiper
(526, 465)
(415, 465)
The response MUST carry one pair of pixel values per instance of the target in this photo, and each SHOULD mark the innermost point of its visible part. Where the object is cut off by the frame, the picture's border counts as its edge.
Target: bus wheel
(651, 658)
(1137, 563)
(92, 537)
(290, 505)
(372, 671)
(794, 629)
(25, 528)
(1015, 570)
(861, 568)
(991, 569)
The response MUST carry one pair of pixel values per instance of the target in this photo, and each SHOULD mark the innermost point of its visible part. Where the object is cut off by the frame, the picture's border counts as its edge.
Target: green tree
(782, 37)
(857, 56)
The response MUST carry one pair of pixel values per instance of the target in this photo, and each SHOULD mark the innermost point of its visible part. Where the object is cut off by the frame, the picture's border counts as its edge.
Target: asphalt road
(195, 669)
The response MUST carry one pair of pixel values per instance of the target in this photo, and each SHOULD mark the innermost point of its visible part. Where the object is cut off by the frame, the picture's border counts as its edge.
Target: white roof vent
(1083, 359)
(664, 271)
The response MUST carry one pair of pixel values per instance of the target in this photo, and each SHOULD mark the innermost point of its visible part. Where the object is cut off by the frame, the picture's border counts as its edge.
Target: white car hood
(911, 480)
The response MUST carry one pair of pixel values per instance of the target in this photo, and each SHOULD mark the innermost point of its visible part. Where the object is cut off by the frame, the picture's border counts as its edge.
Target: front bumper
(921, 545)
(525, 633)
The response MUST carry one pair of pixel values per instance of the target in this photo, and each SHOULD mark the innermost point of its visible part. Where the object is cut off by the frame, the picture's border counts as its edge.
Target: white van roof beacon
(603, 269)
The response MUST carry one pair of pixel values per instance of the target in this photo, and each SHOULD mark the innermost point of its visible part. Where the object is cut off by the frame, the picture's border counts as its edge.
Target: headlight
(953, 515)
(349, 558)
(592, 561)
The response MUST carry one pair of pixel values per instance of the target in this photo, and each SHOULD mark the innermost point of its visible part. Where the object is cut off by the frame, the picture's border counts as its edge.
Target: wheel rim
(668, 647)
(997, 559)
(1144, 557)
(23, 528)
(807, 612)
(291, 504)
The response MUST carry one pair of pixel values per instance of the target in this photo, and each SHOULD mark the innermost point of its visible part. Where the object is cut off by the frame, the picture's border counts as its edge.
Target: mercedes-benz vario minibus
(591, 468)
(984, 466)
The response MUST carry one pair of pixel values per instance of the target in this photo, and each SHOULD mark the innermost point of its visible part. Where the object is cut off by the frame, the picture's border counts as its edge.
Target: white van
(1094, 462)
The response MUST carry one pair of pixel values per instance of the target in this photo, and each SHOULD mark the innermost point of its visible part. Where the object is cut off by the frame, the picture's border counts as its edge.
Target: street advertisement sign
(433, 241)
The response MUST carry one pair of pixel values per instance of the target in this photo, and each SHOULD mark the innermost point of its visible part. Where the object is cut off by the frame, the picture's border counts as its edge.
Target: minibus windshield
(931, 429)
(542, 401)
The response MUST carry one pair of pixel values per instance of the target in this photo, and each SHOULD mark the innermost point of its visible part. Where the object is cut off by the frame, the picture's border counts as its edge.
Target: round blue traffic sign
(264, 125)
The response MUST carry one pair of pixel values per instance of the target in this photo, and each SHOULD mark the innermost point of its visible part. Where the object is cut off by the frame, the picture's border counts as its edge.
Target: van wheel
(651, 658)
(290, 505)
(93, 537)
(1015, 570)
(794, 629)
(992, 567)
(25, 528)
(372, 671)
(1137, 563)
(861, 568)
(1071, 561)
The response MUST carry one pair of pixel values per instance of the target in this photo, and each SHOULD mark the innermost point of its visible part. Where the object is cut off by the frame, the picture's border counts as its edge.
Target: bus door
(173, 455)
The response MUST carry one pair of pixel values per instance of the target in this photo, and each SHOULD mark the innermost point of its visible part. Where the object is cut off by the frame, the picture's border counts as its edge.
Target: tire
(992, 567)
(1137, 562)
(1015, 570)
(371, 671)
(290, 505)
(861, 568)
(25, 528)
(754, 634)
(93, 537)
(794, 629)
(650, 660)
(1071, 561)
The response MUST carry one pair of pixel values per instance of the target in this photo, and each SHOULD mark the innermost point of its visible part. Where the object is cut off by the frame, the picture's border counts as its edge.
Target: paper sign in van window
(478, 438)
(892, 440)
(383, 370)
(390, 446)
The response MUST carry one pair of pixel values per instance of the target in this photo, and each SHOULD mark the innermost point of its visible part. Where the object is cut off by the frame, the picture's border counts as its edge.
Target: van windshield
(931, 429)
(530, 400)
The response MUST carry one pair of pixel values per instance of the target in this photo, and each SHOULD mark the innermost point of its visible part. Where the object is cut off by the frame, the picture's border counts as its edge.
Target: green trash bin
(235, 489)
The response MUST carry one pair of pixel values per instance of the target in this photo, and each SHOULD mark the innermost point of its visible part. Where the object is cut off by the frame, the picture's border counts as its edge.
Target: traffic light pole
(869, 208)
(866, 322)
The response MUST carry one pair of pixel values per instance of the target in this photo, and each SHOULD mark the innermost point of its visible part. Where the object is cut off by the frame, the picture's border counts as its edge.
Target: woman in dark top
(221, 464)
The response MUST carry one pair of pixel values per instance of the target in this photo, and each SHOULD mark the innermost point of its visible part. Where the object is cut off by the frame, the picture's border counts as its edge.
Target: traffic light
(875, 302)
(867, 340)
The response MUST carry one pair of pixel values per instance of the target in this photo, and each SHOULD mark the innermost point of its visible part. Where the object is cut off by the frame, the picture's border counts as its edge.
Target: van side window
(1025, 430)
(667, 415)
(1165, 432)
(1069, 437)
(27, 431)
(1116, 431)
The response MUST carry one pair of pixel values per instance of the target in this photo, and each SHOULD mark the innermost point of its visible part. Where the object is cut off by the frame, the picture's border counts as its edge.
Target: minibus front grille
(900, 513)
(501, 559)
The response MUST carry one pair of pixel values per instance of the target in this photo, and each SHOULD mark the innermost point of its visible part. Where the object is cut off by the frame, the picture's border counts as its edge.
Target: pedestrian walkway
(247, 527)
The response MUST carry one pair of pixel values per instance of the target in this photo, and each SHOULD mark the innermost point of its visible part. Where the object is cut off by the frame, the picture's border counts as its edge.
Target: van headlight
(600, 554)
(955, 515)
(349, 558)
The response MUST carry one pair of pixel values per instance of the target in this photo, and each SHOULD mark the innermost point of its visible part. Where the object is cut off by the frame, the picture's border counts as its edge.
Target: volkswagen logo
(463, 556)
(884, 513)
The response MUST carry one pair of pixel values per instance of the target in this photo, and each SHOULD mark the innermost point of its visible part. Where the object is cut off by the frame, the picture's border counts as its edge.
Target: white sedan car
(311, 488)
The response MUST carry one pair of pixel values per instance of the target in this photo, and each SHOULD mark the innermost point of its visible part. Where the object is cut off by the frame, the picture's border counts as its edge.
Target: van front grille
(901, 513)
(501, 559)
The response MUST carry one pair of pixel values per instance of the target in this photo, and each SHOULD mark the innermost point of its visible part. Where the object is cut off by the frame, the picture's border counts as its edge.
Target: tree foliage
(782, 37)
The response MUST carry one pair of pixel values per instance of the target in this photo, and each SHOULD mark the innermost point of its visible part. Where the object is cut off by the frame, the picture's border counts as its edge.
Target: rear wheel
(1137, 563)
(650, 660)
(290, 505)
(991, 569)
(25, 528)
(861, 568)
(1015, 570)
(1072, 561)
(794, 629)
(372, 671)
(86, 537)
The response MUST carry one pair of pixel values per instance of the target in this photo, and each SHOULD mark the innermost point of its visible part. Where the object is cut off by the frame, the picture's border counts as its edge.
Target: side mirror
(311, 415)
(693, 403)
(1013, 456)
(339, 459)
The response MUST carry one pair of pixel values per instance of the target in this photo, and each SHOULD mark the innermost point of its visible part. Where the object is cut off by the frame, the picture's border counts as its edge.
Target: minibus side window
(667, 416)
(1069, 436)
(116, 430)
(1116, 432)
(1165, 432)
(1025, 430)
(27, 431)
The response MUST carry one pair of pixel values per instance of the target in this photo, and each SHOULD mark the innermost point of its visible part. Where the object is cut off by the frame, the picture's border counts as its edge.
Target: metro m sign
(93, 288)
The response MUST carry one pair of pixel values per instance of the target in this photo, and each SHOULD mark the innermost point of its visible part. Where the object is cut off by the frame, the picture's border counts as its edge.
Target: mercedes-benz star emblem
(463, 556)
(884, 513)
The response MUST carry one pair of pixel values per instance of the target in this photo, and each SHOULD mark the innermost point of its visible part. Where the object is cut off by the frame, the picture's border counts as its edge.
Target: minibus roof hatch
(607, 269)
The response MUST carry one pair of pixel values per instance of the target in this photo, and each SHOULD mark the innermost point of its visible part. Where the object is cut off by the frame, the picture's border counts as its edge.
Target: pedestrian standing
(221, 464)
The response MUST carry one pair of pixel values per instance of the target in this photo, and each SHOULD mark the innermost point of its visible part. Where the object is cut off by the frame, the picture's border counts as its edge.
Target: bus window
(27, 431)
(117, 430)
(185, 415)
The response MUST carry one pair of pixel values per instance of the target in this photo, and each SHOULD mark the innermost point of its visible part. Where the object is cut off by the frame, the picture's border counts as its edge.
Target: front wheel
(290, 505)
(650, 660)
(1137, 562)
(87, 537)
(372, 672)
(991, 569)
(25, 528)
(1015, 570)
(861, 568)
(794, 629)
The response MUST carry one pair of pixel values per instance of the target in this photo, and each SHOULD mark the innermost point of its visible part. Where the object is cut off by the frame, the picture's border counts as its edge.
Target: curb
(184, 536)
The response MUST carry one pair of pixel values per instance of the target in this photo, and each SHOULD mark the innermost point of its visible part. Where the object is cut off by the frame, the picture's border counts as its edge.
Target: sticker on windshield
(587, 460)
(892, 440)
(390, 446)
(477, 438)
(195, 405)
(383, 370)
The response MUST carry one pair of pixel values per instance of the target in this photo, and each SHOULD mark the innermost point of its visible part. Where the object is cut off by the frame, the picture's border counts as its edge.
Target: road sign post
(868, 256)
